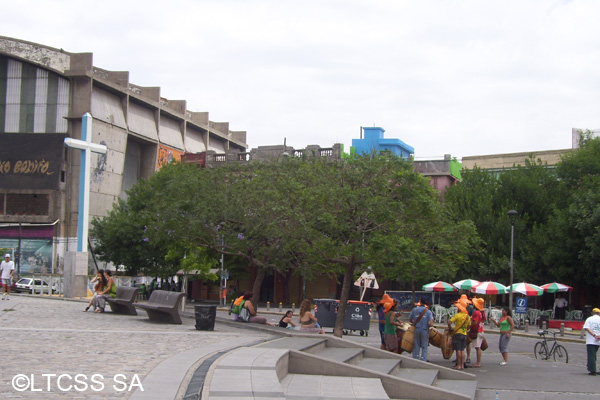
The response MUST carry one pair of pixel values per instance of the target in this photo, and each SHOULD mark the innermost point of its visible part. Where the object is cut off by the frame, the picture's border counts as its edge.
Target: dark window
(27, 204)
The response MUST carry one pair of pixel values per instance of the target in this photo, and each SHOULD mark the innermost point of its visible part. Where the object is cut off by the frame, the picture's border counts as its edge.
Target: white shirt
(593, 323)
(7, 268)
(560, 302)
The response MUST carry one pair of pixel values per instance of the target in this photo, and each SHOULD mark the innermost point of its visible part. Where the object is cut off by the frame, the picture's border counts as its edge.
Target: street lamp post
(512, 214)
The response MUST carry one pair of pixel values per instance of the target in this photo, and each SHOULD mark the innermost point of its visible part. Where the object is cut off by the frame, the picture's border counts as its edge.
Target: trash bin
(544, 321)
(205, 317)
(326, 312)
(358, 316)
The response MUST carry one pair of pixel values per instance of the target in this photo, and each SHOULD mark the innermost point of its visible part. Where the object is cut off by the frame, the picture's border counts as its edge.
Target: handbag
(484, 344)
(244, 315)
(474, 331)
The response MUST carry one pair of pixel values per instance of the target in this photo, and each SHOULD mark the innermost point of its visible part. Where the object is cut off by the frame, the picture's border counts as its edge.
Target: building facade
(44, 92)
(374, 140)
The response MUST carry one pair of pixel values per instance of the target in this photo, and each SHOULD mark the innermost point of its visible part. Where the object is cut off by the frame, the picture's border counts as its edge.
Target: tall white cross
(86, 146)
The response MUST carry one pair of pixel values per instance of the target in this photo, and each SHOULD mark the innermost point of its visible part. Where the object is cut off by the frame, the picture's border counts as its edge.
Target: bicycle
(557, 351)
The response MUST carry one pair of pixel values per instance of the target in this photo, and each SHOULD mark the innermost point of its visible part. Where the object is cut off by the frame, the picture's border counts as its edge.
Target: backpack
(470, 309)
(236, 306)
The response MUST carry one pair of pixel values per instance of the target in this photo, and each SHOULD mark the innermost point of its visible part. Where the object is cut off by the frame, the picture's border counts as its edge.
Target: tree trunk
(285, 278)
(345, 295)
(260, 277)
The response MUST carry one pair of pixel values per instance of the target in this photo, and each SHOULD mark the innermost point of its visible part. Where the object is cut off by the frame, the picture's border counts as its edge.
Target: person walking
(8, 269)
(506, 325)
(462, 322)
(477, 325)
(592, 339)
(422, 318)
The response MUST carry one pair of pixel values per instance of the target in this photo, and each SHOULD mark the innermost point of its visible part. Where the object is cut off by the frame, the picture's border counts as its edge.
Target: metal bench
(163, 306)
(123, 303)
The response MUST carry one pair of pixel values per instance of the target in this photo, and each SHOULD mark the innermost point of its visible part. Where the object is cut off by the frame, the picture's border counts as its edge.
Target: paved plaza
(47, 336)
(54, 350)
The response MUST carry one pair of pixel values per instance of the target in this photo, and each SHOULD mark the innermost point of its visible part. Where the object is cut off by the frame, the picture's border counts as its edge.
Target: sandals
(87, 308)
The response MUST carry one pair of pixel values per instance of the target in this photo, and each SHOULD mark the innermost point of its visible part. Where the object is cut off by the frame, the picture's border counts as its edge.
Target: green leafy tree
(485, 197)
(303, 216)
(571, 237)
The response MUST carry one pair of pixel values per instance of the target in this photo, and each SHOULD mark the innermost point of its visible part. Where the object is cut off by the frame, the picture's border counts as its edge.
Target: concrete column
(76, 268)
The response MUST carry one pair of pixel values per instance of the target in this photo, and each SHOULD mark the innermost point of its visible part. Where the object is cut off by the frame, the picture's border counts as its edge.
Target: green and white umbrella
(466, 284)
(556, 287)
(490, 287)
(527, 289)
(439, 286)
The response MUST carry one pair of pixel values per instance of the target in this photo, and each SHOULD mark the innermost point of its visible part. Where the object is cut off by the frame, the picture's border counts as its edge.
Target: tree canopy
(301, 216)
(556, 232)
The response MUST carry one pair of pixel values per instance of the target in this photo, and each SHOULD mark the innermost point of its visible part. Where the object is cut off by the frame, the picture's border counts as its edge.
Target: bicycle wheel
(541, 351)
(560, 354)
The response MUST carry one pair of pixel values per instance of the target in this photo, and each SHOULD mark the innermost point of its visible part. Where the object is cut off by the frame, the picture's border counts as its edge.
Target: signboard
(30, 161)
(521, 305)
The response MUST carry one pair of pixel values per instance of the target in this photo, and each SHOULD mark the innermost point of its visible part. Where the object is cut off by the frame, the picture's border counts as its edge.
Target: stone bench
(123, 303)
(163, 306)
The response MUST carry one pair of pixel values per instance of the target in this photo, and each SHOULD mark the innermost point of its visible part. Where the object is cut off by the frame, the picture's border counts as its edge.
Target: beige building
(509, 160)
(44, 92)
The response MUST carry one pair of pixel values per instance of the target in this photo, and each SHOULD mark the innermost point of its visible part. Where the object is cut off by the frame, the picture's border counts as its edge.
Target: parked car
(31, 285)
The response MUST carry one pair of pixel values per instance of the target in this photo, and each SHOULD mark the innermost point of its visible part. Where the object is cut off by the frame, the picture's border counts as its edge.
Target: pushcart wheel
(362, 333)
(366, 333)
(345, 332)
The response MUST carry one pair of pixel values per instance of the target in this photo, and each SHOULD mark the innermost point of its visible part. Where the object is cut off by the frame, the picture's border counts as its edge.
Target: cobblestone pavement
(44, 336)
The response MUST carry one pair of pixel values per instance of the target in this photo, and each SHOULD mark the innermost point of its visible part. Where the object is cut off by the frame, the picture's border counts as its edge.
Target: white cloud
(460, 77)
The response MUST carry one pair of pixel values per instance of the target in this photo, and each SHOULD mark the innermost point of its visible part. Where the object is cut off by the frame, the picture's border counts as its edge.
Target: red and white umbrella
(556, 287)
(490, 287)
(439, 286)
(527, 289)
(466, 284)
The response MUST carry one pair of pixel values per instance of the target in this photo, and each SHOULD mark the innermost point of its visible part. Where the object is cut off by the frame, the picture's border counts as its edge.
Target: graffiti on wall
(167, 155)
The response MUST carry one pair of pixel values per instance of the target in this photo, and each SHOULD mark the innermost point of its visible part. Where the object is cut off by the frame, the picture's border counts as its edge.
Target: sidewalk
(47, 338)
(114, 356)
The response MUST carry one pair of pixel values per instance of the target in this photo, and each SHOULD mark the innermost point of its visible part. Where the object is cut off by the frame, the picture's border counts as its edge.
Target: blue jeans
(421, 341)
(592, 351)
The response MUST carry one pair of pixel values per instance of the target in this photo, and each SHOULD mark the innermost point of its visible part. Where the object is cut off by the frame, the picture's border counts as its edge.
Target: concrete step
(383, 365)
(295, 343)
(424, 376)
(305, 387)
(466, 387)
(341, 354)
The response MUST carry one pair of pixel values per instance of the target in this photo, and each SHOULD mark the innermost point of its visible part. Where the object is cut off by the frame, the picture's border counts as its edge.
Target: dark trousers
(592, 351)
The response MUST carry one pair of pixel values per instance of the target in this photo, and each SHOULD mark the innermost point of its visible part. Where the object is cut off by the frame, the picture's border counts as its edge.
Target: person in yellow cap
(592, 339)
(462, 323)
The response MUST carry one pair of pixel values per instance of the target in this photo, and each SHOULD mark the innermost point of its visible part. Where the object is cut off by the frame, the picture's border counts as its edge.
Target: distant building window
(26, 204)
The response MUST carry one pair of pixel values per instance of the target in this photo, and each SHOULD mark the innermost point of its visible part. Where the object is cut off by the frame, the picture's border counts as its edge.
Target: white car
(31, 285)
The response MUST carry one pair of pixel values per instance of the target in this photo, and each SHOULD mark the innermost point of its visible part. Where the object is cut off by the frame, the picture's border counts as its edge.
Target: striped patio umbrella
(527, 289)
(556, 287)
(490, 287)
(466, 284)
(439, 286)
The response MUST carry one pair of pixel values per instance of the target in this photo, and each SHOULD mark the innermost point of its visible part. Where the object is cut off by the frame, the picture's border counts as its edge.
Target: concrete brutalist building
(44, 93)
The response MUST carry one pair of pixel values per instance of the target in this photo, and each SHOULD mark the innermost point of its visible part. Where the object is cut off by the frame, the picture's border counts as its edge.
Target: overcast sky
(446, 77)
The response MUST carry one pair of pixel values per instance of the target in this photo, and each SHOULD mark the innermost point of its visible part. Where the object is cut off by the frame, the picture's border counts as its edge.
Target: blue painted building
(374, 141)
